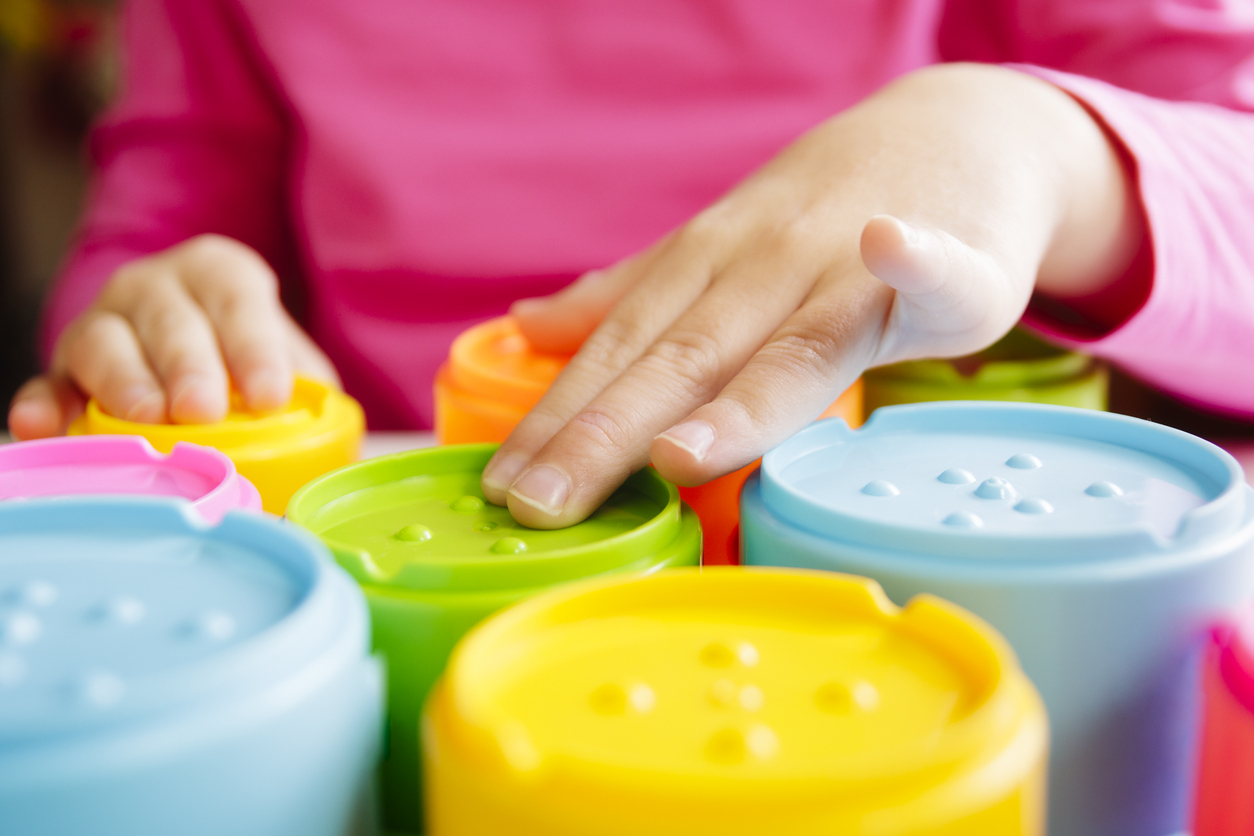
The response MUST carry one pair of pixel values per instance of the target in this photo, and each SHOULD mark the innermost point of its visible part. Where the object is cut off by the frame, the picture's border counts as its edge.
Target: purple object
(125, 464)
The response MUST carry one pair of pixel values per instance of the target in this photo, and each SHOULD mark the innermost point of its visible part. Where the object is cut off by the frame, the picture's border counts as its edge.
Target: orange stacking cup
(493, 377)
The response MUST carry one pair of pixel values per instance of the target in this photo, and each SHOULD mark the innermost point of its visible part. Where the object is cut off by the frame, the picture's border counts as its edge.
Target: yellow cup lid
(754, 685)
(494, 360)
(315, 411)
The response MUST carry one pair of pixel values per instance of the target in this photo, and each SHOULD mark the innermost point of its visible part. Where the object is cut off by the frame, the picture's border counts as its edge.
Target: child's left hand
(912, 225)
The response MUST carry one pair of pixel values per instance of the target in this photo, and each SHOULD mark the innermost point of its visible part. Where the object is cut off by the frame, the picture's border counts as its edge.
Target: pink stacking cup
(125, 464)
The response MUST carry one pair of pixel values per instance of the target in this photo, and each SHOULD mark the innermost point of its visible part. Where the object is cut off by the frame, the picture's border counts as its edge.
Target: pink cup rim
(231, 490)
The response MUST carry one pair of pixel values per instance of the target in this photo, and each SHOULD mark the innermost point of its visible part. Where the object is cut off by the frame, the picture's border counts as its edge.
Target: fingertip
(550, 326)
(267, 388)
(44, 407)
(680, 453)
(194, 400)
(539, 498)
(34, 417)
(885, 245)
(500, 473)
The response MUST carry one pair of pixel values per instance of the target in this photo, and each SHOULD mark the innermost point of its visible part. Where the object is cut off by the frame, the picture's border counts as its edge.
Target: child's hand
(162, 337)
(912, 225)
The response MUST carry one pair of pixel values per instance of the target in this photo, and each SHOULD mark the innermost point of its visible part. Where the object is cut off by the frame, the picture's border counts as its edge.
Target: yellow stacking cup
(278, 451)
(733, 702)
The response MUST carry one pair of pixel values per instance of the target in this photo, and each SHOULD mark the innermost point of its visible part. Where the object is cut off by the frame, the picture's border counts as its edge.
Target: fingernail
(909, 234)
(199, 400)
(544, 488)
(146, 406)
(268, 389)
(503, 470)
(697, 437)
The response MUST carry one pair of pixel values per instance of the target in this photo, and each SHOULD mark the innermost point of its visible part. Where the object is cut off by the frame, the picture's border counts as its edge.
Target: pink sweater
(415, 165)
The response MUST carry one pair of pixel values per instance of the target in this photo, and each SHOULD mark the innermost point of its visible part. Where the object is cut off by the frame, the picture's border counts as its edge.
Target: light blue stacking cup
(163, 677)
(1103, 547)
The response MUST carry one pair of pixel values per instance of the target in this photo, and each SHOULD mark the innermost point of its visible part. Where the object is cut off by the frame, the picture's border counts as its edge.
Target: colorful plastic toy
(734, 702)
(161, 676)
(434, 559)
(1100, 545)
(319, 430)
(493, 378)
(1019, 367)
(1224, 805)
(125, 464)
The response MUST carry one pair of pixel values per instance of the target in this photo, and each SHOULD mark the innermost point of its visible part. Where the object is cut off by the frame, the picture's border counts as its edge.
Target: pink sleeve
(1173, 81)
(195, 145)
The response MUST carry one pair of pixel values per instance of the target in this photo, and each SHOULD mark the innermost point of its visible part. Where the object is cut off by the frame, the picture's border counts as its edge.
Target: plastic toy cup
(1019, 367)
(1101, 546)
(731, 702)
(1224, 805)
(434, 558)
(125, 464)
(159, 675)
(279, 451)
(493, 378)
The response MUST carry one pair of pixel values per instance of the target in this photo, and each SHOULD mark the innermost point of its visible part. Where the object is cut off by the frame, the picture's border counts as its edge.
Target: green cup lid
(1017, 359)
(418, 520)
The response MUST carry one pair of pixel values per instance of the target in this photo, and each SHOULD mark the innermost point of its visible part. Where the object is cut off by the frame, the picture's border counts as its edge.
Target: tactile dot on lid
(100, 689)
(123, 610)
(12, 669)
(414, 533)
(726, 746)
(839, 698)
(747, 654)
(866, 696)
(994, 488)
(467, 504)
(509, 545)
(751, 698)
(19, 628)
(761, 741)
(642, 698)
(1034, 505)
(717, 655)
(214, 625)
(486, 526)
(956, 476)
(723, 693)
(608, 699)
(38, 593)
(880, 487)
(963, 519)
(1104, 489)
(1023, 461)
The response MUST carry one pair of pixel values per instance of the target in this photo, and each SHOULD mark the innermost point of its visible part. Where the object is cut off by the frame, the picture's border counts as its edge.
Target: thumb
(952, 298)
(558, 324)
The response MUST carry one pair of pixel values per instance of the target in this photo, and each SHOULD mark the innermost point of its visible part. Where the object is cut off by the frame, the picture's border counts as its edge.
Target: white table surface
(380, 444)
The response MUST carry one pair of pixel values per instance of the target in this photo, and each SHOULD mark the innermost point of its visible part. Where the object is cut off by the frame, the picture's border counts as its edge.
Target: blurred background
(58, 69)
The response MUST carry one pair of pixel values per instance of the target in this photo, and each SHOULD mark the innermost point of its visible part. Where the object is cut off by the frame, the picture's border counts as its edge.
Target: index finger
(645, 311)
(239, 294)
(607, 440)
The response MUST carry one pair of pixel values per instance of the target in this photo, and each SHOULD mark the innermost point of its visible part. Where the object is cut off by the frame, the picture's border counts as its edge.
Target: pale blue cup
(1103, 547)
(162, 676)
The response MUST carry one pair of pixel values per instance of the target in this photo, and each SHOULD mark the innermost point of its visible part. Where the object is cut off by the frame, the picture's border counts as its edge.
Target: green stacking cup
(1019, 367)
(434, 558)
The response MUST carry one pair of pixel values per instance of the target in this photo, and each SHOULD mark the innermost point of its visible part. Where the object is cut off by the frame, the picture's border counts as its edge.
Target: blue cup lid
(115, 610)
(1006, 481)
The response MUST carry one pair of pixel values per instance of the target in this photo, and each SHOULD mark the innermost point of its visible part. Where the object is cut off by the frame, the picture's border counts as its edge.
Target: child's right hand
(165, 336)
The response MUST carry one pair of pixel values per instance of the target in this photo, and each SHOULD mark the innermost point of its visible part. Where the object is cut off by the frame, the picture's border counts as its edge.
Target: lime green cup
(435, 558)
(1019, 367)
